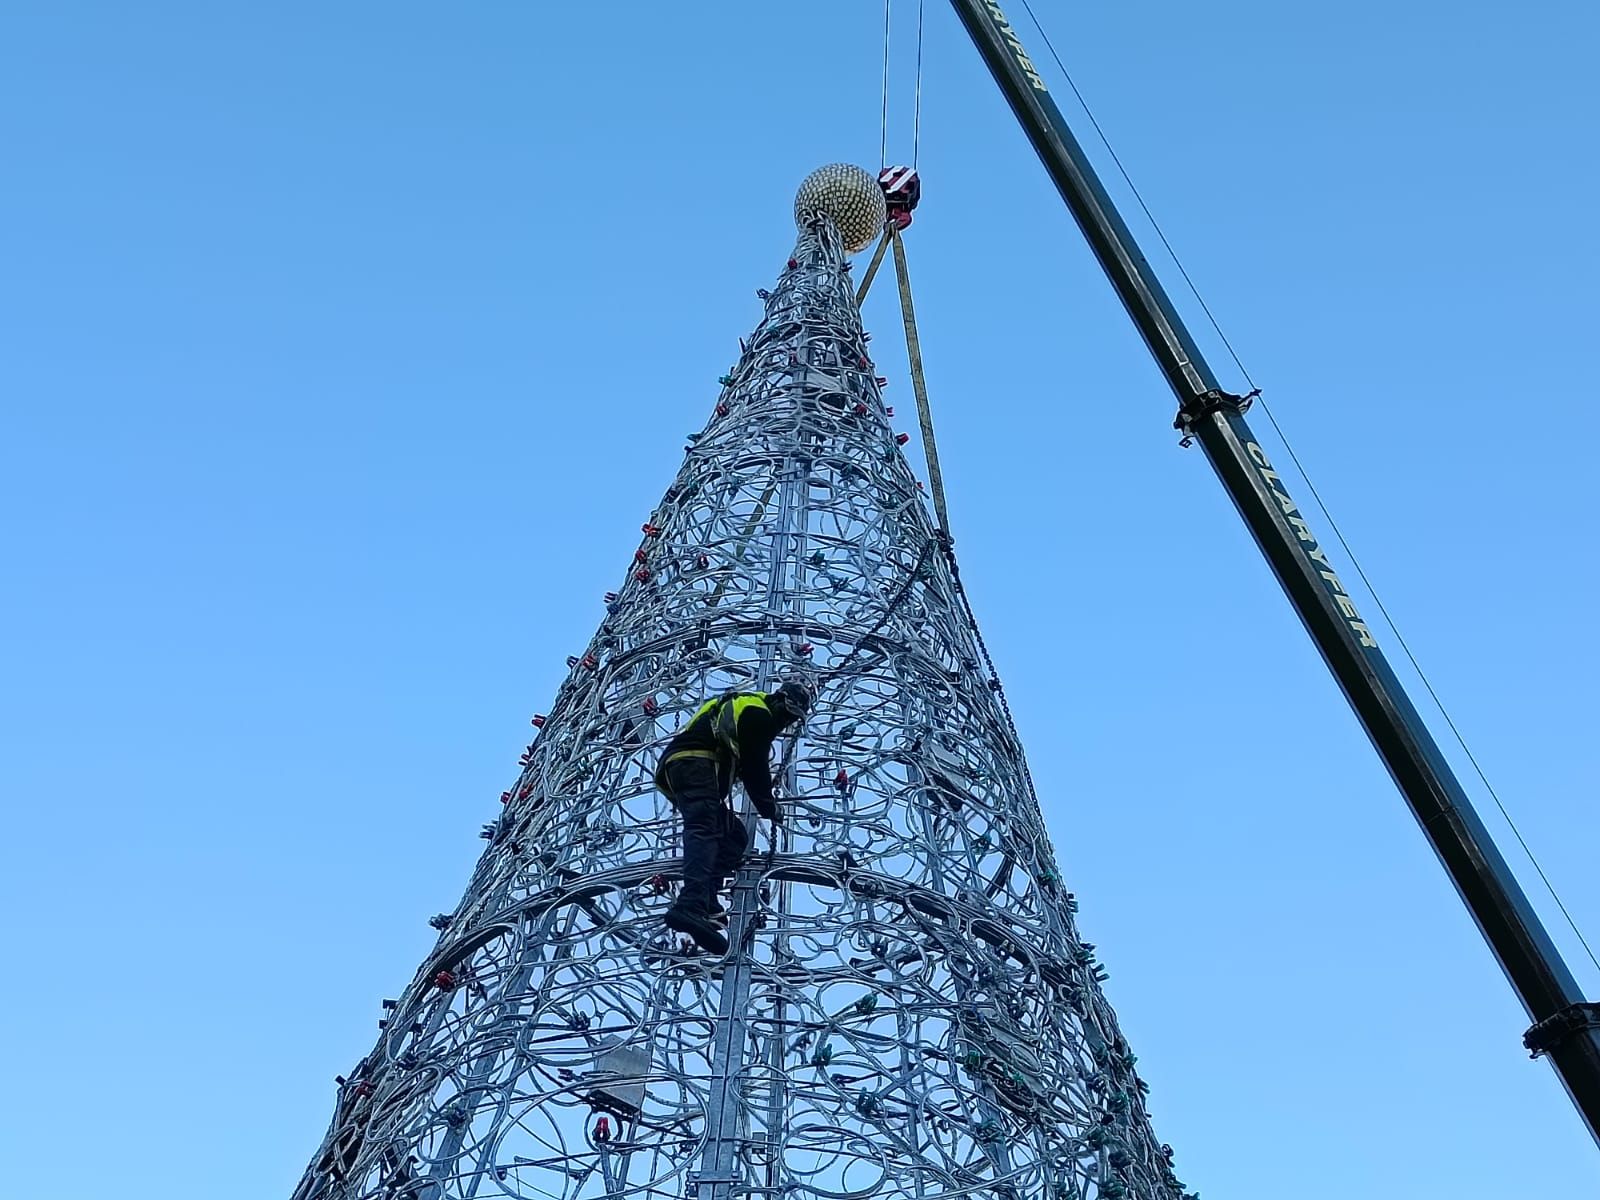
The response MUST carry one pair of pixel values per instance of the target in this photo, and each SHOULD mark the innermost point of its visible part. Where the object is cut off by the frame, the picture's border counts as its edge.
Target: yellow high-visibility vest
(723, 712)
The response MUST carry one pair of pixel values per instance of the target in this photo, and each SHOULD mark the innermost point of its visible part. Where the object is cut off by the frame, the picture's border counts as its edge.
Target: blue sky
(345, 348)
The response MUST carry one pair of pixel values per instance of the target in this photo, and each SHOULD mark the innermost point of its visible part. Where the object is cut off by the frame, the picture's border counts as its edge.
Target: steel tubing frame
(908, 1010)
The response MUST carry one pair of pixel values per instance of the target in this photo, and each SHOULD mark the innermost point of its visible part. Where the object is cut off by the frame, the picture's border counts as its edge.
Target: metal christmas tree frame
(907, 1009)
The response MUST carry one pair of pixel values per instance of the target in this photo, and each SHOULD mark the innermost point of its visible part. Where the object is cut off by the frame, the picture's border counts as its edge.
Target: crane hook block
(902, 188)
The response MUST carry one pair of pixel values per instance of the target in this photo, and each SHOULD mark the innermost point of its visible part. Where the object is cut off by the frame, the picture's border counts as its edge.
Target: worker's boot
(696, 920)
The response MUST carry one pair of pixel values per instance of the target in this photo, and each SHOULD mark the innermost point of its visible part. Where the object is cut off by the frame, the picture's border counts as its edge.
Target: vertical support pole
(721, 1161)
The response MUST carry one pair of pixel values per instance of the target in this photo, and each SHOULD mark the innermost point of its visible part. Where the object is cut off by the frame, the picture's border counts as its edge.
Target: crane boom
(1565, 1027)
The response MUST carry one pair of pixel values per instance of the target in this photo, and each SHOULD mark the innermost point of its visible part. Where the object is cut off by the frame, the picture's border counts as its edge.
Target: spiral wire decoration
(907, 1009)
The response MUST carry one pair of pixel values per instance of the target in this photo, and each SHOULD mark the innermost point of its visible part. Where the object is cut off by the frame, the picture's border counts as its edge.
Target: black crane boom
(1565, 1027)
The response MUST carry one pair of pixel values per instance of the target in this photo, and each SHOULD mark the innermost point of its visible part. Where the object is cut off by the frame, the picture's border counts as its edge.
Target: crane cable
(1316, 496)
(883, 124)
(916, 103)
(916, 109)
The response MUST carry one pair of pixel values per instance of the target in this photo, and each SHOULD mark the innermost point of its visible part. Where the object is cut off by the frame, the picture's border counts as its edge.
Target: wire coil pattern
(907, 1009)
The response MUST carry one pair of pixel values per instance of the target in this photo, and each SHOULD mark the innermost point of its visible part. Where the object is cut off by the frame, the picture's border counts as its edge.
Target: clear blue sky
(346, 346)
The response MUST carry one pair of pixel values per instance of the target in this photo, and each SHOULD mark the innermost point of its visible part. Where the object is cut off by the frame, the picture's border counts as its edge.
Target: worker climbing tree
(727, 735)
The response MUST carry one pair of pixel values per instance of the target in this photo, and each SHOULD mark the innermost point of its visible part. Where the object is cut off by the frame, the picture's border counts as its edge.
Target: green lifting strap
(919, 385)
(872, 268)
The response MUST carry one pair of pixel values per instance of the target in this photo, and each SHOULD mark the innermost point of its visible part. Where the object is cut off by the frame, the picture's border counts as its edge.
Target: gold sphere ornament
(848, 194)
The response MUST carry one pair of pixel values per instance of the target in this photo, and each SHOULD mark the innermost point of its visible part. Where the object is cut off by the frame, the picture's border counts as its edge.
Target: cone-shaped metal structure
(907, 1009)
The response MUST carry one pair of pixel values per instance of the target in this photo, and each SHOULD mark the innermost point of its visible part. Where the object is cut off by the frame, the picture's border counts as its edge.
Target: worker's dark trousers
(714, 840)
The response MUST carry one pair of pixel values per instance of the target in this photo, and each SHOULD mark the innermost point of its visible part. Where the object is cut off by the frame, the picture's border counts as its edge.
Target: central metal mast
(1566, 1028)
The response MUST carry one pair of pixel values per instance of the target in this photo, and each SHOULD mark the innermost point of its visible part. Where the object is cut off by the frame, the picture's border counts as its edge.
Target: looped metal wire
(909, 1009)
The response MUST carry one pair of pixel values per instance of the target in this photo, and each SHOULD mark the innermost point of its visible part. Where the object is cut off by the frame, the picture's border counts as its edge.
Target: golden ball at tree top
(848, 194)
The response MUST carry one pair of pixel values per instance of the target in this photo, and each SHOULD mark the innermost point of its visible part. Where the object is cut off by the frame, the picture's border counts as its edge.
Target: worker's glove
(769, 810)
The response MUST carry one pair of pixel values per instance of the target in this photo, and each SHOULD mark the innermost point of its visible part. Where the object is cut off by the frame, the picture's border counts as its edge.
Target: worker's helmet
(793, 699)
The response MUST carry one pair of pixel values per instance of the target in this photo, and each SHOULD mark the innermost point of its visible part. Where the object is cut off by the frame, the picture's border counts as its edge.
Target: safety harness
(723, 715)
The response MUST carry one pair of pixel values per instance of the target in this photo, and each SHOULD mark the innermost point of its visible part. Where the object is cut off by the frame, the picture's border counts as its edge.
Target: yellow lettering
(1029, 70)
(1017, 51)
(1313, 551)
